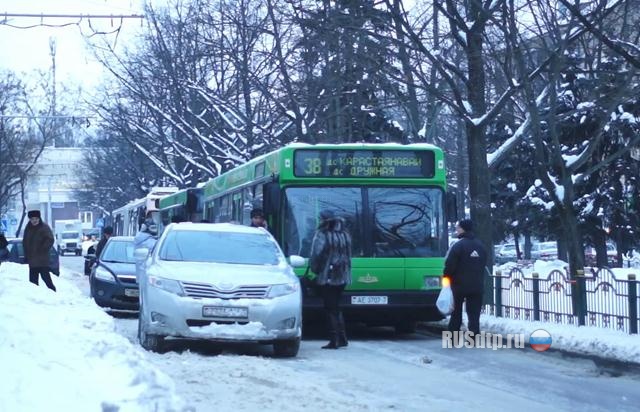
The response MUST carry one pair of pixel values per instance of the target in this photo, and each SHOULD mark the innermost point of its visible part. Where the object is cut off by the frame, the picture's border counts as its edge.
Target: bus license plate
(369, 300)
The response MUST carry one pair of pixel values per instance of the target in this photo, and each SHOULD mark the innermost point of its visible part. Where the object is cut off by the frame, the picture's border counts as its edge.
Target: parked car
(113, 279)
(506, 253)
(16, 255)
(612, 255)
(544, 250)
(219, 282)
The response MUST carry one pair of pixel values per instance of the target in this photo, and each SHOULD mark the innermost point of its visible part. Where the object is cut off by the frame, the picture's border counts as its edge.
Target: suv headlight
(104, 274)
(169, 285)
(283, 289)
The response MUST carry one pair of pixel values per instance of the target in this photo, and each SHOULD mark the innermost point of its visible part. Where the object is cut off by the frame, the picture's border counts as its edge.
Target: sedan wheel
(286, 348)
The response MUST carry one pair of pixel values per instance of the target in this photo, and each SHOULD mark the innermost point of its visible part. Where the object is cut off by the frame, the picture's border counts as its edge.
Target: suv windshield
(70, 235)
(382, 221)
(118, 251)
(219, 247)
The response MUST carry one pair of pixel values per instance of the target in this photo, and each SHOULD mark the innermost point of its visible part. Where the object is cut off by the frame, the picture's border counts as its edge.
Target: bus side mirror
(452, 206)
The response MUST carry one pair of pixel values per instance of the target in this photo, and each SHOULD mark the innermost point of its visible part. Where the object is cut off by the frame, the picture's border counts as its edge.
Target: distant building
(51, 188)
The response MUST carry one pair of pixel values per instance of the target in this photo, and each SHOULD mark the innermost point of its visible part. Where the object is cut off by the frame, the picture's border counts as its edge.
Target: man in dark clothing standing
(331, 262)
(37, 241)
(107, 232)
(465, 267)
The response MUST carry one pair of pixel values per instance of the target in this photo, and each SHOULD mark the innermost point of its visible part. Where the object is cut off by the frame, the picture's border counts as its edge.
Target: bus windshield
(382, 221)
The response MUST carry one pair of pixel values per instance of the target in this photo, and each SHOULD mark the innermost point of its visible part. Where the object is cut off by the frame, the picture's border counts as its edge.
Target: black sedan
(16, 255)
(113, 278)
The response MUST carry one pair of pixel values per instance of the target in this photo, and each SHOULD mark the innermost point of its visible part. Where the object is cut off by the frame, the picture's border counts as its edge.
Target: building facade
(51, 189)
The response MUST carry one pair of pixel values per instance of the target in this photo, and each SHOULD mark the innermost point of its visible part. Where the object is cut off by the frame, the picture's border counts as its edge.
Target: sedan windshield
(118, 251)
(219, 247)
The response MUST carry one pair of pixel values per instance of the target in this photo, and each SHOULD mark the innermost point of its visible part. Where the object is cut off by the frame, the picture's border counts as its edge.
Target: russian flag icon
(540, 340)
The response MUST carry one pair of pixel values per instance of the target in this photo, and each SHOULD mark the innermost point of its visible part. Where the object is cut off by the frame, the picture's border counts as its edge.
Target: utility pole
(52, 50)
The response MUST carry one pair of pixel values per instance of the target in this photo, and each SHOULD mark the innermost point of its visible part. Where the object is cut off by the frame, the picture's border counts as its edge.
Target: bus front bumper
(383, 307)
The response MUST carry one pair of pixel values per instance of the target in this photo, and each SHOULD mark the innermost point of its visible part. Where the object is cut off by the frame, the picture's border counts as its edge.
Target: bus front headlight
(431, 282)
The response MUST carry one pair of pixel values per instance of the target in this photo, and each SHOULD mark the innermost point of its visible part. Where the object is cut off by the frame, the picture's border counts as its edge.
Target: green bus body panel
(391, 273)
(178, 198)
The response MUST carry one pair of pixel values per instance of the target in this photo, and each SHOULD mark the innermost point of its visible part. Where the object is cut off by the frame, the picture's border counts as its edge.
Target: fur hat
(33, 213)
(466, 225)
(108, 230)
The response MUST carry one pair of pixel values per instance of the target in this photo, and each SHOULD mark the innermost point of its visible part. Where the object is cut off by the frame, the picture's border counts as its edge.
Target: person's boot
(332, 322)
(342, 332)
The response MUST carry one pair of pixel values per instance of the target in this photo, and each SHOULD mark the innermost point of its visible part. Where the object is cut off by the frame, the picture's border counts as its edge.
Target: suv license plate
(225, 312)
(369, 300)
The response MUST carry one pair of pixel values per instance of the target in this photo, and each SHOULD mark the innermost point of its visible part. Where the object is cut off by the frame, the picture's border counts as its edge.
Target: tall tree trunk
(480, 179)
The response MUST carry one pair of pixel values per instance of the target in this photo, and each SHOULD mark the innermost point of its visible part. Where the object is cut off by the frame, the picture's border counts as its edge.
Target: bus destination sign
(348, 163)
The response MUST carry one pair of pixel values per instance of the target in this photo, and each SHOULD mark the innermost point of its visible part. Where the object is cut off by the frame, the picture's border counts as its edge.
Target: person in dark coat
(107, 232)
(37, 241)
(330, 260)
(4, 248)
(465, 267)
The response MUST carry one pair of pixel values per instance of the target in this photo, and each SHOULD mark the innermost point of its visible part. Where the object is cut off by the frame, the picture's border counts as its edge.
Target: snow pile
(601, 342)
(59, 352)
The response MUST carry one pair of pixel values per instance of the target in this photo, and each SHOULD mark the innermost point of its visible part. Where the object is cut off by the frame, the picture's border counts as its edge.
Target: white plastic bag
(445, 301)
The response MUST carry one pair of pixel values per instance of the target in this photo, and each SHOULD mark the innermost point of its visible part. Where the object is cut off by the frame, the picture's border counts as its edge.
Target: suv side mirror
(297, 261)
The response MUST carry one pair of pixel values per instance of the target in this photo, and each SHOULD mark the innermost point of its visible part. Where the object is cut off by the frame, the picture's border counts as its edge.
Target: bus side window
(247, 205)
(236, 207)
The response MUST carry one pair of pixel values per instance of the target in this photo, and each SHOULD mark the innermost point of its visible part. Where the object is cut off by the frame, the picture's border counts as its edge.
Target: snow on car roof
(215, 227)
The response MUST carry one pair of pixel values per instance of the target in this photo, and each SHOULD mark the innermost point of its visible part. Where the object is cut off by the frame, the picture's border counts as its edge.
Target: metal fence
(596, 298)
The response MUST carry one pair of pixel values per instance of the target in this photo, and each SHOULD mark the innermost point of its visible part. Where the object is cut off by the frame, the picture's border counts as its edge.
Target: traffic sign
(100, 222)
(3, 225)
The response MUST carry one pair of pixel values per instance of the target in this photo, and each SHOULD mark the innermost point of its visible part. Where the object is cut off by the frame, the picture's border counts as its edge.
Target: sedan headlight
(283, 289)
(104, 274)
(169, 285)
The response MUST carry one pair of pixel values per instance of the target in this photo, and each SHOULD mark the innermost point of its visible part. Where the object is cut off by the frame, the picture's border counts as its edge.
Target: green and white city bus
(185, 206)
(392, 198)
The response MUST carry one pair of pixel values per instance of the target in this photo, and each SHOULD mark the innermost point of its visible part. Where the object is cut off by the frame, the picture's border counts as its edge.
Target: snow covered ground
(601, 342)
(59, 352)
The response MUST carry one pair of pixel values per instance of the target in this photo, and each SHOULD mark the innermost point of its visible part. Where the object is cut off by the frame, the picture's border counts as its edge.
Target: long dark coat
(330, 256)
(37, 242)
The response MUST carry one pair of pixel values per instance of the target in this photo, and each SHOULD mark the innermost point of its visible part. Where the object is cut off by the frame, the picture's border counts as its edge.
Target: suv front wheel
(151, 342)
(286, 348)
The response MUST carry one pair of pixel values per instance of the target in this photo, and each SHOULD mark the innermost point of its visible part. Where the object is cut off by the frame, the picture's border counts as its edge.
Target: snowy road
(381, 371)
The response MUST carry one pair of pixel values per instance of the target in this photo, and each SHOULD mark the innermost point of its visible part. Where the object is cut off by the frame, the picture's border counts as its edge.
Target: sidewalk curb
(609, 366)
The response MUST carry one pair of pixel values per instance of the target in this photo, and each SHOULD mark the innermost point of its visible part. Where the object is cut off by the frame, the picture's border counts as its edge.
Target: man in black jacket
(107, 232)
(465, 267)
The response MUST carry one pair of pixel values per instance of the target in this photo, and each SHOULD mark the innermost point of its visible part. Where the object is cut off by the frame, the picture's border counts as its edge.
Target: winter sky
(27, 49)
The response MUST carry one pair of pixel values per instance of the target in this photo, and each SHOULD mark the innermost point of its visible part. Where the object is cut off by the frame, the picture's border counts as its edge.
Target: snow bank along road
(379, 371)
